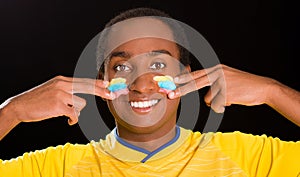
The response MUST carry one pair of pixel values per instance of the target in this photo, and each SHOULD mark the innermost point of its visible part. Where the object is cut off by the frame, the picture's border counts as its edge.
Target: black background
(42, 39)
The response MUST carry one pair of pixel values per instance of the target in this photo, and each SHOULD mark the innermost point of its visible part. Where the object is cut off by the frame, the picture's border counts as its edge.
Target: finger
(88, 86)
(218, 103)
(92, 89)
(97, 82)
(79, 85)
(193, 86)
(72, 105)
(62, 105)
(78, 103)
(73, 116)
(121, 92)
(193, 75)
(68, 111)
(215, 88)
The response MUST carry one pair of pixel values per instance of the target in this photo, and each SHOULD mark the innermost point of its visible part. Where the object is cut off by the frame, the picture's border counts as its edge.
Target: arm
(7, 119)
(231, 86)
(51, 99)
(286, 101)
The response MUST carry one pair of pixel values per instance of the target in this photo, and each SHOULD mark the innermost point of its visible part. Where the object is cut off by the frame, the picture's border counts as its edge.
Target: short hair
(142, 12)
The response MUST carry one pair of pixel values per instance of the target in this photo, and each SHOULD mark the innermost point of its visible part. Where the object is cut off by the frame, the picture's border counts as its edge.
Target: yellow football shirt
(188, 154)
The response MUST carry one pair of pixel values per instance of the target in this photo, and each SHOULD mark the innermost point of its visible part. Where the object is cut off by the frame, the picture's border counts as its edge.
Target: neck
(150, 141)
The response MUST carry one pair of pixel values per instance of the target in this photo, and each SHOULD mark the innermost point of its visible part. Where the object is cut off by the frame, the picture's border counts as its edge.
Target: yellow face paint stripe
(163, 78)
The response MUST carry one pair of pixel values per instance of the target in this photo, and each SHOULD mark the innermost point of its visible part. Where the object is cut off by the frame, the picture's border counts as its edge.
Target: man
(138, 47)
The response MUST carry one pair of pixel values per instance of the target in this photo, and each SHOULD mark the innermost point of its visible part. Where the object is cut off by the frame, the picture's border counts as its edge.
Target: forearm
(7, 120)
(286, 101)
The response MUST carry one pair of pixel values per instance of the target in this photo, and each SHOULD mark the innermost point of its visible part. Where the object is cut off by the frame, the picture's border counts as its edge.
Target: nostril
(143, 84)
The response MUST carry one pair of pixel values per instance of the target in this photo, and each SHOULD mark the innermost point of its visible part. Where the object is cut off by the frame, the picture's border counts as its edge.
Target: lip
(134, 98)
(143, 106)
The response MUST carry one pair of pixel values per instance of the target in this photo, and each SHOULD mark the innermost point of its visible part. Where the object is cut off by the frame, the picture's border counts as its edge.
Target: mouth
(143, 106)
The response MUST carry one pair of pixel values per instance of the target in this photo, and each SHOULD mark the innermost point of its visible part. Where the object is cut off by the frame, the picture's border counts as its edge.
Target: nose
(144, 84)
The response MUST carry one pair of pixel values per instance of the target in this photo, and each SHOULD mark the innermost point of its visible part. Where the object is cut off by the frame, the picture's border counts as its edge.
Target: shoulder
(65, 150)
(230, 140)
(238, 139)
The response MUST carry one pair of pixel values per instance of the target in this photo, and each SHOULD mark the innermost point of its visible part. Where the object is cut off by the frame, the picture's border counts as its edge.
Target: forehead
(139, 33)
(147, 46)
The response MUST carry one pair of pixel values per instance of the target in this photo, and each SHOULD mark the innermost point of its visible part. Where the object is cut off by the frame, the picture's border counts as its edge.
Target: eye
(122, 68)
(157, 66)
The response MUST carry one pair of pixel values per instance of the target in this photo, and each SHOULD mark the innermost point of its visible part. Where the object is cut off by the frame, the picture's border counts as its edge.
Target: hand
(227, 86)
(56, 98)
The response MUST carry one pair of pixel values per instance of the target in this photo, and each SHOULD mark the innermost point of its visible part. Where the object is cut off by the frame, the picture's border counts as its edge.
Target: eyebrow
(123, 54)
(159, 52)
(120, 54)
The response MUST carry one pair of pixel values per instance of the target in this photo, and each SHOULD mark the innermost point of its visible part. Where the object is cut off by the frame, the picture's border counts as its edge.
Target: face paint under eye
(117, 84)
(165, 82)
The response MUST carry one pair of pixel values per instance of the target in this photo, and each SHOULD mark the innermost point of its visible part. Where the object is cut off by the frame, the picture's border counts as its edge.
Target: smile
(143, 104)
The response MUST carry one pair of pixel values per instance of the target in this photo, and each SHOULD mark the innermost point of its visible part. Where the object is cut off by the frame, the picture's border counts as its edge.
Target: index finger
(92, 86)
(97, 82)
(185, 78)
(191, 86)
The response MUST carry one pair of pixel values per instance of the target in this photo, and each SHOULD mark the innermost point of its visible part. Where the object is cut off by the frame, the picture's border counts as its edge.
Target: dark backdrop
(42, 39)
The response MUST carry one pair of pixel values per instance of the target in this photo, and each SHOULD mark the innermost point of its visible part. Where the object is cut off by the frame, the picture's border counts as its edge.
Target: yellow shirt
(189, 154)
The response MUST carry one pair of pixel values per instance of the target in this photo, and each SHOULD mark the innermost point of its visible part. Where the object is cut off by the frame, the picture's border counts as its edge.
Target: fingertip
(73, 120)
(105, 83)
(108, 95)
(208, 104)
(176, 79)
(220, 110)
(70, 122)
(112, 95)
(102, 83)
(172, 95)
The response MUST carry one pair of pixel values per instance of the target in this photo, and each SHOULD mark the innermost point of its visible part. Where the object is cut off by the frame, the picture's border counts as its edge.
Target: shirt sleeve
(261, 155)
(52, 161)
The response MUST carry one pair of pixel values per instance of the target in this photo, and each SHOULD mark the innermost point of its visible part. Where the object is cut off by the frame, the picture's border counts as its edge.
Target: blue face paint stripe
(169, 85)
(124, 143)
(117, 87)
(163, 146)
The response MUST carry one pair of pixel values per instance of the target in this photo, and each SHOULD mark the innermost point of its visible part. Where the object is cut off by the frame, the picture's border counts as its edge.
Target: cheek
(173, 105)
(173, 69)
(109, 71)
(109, 74)
(111, 108)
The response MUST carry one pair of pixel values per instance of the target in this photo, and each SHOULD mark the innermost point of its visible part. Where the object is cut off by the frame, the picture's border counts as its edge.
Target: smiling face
(144, 110)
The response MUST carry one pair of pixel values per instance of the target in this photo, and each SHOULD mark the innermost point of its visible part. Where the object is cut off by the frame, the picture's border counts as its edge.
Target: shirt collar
(122, 150)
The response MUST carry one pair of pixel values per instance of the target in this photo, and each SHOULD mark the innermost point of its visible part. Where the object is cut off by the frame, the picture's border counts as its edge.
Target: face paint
(166, 83)
(117, 84)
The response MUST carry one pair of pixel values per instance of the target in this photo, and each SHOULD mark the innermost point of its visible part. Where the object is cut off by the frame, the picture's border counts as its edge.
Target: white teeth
(143, 104)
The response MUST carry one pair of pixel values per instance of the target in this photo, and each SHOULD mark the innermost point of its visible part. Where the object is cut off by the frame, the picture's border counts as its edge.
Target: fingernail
(222, 109)
(176, 79)
(112, 95)
(106, 83)
(171, 94)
